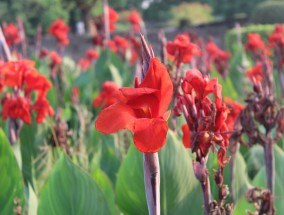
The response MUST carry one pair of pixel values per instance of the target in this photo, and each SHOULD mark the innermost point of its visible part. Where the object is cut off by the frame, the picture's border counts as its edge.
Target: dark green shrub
(269, 12)
(231, 35)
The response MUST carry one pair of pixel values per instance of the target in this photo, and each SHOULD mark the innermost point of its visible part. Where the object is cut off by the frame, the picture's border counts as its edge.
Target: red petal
(115, 117)
(186, 136)
(150, 134)
(157, 77)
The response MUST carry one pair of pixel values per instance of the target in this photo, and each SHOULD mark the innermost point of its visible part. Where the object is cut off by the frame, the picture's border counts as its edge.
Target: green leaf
(228, 89)
(106, 186)
(69, 190)
(27, 138)
(180, 191)
(11, 182)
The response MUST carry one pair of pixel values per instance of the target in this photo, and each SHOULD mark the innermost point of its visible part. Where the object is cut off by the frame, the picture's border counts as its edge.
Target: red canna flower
(37, 82)
(84, 64)
(43, 53)
(43, 109)
(181, 49)
(206, 120)
(15, 72)
(120, 42)
(218, 57)
(112, 46)
(60, 30)
(254, 43)
(55, 58)
(255, 74)
(142, 110)
(113, 17)
(11, 34)
(16, 107)
(92, 54)
(202, 86)
(185, 136)
(108, 95)
(235, 108)
(135, 19)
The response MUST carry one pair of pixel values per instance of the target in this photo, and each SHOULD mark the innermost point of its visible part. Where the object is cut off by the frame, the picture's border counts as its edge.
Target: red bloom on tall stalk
(181, 49)
(256, 74)
(206, 121)
(55, 58)
(24, 79)
(108, 95)
(86, 62)
(113, 17)
(254, 43)
(218, 57)
(16, 107)
(135, 19)
(142, 110)
(235, 109)
(60, 30)
(11, 34)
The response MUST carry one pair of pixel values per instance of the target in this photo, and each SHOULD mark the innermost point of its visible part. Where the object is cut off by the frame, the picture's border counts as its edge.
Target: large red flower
(11, 34)
(16, 107)
(142, 110)
(181, 49)
(60, 30)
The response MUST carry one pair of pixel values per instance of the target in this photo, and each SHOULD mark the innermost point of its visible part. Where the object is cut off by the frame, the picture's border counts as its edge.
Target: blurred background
(206, 17)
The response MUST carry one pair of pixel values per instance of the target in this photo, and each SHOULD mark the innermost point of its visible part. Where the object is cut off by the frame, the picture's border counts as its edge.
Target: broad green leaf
(238, 61)
(260, 179)
(32, 203)
(228, 89)
(240, 182)
(27, 139)
(106, 186)
(115, 75)
(11, 182)
(69, 190)
(180, 191)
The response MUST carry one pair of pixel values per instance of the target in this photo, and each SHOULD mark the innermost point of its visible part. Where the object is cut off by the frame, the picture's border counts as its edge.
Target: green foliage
(269, 12)
(11, 182)
(69, 190)
(33, 13)
(230, 9)
(231, 35)
(180, 191)
(191, 14)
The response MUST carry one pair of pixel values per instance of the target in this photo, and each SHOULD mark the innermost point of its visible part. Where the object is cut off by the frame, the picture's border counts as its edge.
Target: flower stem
(152, 182)
(206, 195)
(270, 168)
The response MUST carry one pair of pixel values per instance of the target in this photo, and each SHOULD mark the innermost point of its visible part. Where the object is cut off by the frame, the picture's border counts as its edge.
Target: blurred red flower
(11, 34)
(254, 43)
(43, 109)
(15, 72)
(84, 64)
(142, 110)
(55, 58)
(16, 107)
(92, 54)
(113, 17)
(235, 108)
(255, 74)
(181, 49)
(108, 95)
(135, 19)
(218, 57)
(60, 30)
